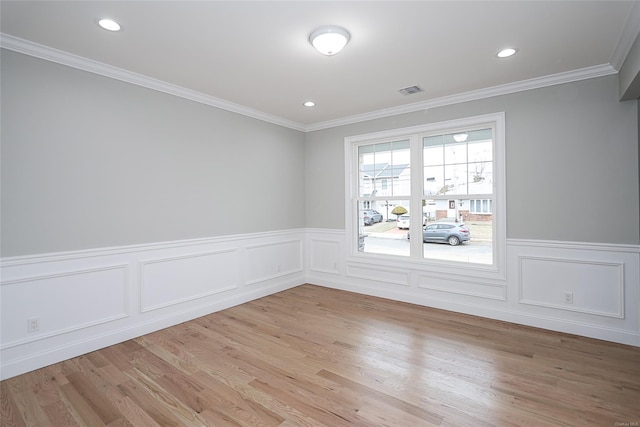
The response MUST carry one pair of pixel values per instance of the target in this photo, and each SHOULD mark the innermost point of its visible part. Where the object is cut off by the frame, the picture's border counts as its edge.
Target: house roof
(383, 170)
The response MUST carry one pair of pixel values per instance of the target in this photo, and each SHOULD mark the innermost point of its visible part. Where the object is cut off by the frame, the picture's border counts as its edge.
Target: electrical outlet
(568, 297)
(33, 324)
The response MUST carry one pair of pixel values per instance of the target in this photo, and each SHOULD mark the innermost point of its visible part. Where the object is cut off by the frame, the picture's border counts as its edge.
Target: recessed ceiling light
(309, 104)
(109, 24)
(505, 53)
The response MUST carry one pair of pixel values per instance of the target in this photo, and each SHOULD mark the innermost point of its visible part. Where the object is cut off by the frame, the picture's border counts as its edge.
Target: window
(437, 183)
(478, 206)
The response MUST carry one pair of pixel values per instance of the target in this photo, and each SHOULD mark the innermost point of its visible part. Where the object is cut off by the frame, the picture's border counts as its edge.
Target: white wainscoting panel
(53, 300)
(594, 287)
(325, 256)
(169, 281)
(373, 273)
(86, 300)
(272, 260)
(462, 286)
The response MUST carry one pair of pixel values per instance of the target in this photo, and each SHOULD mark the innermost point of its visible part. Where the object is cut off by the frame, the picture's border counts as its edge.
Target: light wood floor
(312, 356)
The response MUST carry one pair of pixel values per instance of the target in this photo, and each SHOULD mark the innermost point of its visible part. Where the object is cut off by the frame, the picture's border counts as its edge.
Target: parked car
(403, 222)
(371, 216)
(453, 234)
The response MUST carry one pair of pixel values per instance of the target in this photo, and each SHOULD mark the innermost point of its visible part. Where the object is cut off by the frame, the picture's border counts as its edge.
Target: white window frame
(495, 270)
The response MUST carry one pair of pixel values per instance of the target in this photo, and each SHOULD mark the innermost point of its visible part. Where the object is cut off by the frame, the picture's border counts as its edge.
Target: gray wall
(572, 162)
(90, 162)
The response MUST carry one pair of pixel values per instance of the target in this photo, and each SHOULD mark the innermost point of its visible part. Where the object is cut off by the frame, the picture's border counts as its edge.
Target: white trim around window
(495, 270)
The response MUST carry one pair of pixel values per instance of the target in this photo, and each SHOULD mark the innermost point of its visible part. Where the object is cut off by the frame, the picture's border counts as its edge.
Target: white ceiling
(256, 55)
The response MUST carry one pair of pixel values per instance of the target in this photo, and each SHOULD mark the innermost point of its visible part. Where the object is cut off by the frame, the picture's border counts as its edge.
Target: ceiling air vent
(411, 90)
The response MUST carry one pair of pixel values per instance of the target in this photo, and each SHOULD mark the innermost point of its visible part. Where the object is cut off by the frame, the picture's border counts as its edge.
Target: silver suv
(371, 216)
(444, 232)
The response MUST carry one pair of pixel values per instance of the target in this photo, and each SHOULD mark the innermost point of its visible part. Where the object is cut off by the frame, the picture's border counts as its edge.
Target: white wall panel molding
(589, 287)
(476, 288)
(52, 300)
(578, 246)
(86, 300)
(146, 247)
(602, 282)
(381, 273)
(325, 256)
(170, 281)
(272, 260)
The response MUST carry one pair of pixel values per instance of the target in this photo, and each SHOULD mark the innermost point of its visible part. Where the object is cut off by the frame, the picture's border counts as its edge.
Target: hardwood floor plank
(313, 356)
(378, 396)
(151, 405)
(59, 415)
(133, 414)
(100, 404)
(246, 410)
(80, 409)
(9, 412)
(26, 401)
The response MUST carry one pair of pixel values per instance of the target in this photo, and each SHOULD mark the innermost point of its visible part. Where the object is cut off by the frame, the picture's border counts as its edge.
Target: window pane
(387, 236)
(433, 151)
(434, 180)
(480, 151)
(437, 233)
(385, 162)
(480, 178)
(455, 178)
(455, 152)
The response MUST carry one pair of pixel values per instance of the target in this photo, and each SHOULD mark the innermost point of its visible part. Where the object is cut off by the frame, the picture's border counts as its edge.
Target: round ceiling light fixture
(329, 40)
(109, 24)
(309, 104)
(505, 53)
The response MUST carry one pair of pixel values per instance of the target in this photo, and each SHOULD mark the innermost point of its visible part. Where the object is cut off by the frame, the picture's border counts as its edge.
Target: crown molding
(628, 37)
(505, 89)
(64, 58)
(47, 53)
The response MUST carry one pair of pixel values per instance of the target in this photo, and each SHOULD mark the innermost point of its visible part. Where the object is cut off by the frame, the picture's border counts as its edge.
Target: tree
(399, 210)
